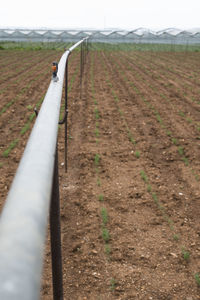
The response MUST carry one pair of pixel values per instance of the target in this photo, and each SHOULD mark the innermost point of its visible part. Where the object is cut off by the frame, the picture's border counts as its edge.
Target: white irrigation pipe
(24, 219)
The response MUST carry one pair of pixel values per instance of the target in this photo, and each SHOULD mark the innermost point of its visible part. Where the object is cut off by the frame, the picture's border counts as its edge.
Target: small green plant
(96, 113)
(176, 237)
(101, 197)
(96, 132)
(29, 107)
(105, 235)
(149, 188)
(96, 159)
(181, 113)
(144, 176)
(104, 215)
(155, 198)
(11, 146)
(174, 141)
(137, 154)
(1, 165)
(186, 161)
(107, 249)
(197, 278)
(169, 133)
(98, 181)
(112, 284)
(186, 254)
(181, 150)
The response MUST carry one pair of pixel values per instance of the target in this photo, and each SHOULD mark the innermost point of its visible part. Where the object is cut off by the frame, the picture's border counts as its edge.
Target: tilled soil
(130, 197)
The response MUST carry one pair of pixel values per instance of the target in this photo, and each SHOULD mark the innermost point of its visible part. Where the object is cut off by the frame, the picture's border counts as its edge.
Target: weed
(197, 278)
(105, 234)
(137, 154)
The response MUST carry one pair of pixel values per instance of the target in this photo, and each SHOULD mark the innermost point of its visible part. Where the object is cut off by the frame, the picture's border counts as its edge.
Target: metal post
(56, 254)
(66, 110)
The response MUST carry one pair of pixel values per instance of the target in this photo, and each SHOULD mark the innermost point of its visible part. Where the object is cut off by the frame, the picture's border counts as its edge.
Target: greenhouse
(139, 35)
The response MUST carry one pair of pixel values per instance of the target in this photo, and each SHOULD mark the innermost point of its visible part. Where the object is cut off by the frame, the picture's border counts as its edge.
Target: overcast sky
(124, 14)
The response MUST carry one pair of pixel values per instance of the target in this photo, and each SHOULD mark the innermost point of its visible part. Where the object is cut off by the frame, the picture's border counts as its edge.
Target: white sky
(124, 14)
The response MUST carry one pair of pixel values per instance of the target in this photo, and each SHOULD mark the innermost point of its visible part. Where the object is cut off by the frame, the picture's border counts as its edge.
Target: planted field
(130, 200)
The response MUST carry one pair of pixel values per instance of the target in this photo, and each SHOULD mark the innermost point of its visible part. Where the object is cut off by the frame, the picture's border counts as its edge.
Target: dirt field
(130, 199)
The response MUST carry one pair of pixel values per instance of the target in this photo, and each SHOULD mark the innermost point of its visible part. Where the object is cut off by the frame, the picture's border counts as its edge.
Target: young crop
(197, 278)
(97, 159)
(186, 254)
(137, 154)
(144, 176)
(105, 235)
(104, 215)
(101, 197)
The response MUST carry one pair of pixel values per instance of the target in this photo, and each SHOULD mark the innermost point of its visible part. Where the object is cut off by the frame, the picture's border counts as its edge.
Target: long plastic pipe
(24, 219)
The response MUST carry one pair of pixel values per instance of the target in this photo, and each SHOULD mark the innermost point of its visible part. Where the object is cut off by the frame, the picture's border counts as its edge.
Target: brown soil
(152, 221)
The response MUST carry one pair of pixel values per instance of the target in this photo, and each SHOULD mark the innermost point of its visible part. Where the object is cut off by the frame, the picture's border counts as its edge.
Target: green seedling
(137, 154)
(197, 278)
(186, 254)
(105, 235)
(112, 284)
(104, 215)
(98, 182)
(101, 197)
(186, 161)
(176, 237)
(181, 114)
(11, 146)
(149, 188)
(107, 249)
(155, 198)
(96, 113)
(174, 141)
(169, 133)
(144, 176)
(181, 150)
(96, 132)
(97, 159)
